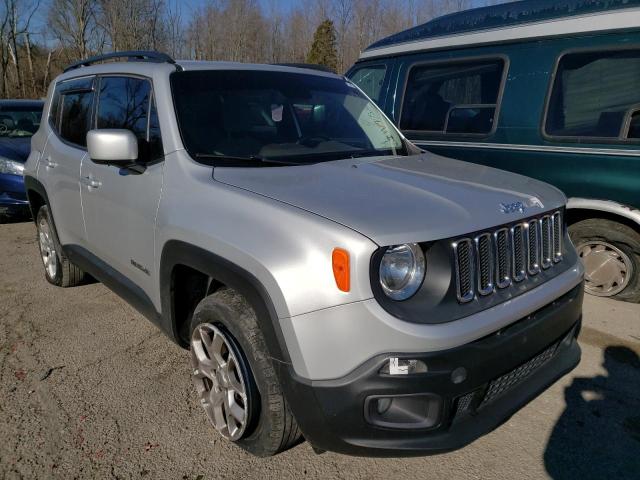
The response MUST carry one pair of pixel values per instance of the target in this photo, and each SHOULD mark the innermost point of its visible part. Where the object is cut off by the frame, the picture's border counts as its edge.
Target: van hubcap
(607, 268)
(47, 249)
(218, 379)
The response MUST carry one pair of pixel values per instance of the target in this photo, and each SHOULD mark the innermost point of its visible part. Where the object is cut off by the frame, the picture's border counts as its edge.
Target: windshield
(19, 121)
(278, 116)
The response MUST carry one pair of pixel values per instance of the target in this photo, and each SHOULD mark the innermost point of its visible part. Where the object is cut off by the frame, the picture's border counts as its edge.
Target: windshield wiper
(250, 158)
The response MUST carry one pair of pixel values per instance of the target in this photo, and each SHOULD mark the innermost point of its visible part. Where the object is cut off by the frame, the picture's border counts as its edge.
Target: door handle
(48, 163)
(91, 182)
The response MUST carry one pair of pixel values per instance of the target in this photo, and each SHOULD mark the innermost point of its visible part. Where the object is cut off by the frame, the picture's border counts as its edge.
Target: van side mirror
(117, 147)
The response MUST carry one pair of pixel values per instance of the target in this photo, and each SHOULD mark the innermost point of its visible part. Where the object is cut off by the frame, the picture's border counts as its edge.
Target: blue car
(19, 120)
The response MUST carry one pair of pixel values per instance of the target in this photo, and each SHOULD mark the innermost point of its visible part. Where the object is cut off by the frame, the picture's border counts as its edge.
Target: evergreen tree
(323, 49)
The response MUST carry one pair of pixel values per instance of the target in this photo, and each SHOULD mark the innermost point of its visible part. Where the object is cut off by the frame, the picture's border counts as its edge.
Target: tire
(622, 244)
(58, 270)
(270, 427)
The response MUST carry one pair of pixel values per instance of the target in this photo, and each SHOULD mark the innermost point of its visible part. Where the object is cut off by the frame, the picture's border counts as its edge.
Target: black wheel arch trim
(33, 185)
(176, 252)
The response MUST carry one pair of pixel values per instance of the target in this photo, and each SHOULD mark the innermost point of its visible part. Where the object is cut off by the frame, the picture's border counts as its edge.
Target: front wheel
(234, 377)
(610, 252)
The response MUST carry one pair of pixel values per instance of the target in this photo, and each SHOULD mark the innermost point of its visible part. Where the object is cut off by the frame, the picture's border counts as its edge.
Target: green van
(546, 88)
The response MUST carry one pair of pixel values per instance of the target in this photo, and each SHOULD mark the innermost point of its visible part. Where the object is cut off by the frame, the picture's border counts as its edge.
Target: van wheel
(610, 252)
(235, 378)
(58, 270)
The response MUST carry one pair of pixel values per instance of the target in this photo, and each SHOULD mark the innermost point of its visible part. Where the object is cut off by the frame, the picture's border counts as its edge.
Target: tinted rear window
(73, 101)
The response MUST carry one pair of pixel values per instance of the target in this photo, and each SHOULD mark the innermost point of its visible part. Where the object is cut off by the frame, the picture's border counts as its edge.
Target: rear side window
(370, 80)
(127, 103)
(456, 98)
(595, 95)
(74, 101)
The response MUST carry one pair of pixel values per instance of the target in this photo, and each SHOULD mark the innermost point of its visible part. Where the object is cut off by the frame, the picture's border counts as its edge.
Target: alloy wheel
(608, 269)
(47, 248)
(219, 381)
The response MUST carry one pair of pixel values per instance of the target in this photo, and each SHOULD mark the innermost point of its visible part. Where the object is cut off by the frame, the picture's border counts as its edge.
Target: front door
(120, 206)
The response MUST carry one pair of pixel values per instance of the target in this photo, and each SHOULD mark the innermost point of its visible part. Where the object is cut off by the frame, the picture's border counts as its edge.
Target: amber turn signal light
(340, 263)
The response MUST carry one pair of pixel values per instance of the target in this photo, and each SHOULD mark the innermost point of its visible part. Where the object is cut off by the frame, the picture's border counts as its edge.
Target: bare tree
(133, 24)
(74, 24)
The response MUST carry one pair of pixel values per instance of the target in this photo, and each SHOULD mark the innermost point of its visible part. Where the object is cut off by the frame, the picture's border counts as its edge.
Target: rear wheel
(58, 270)
(610, 252)
(235, 378)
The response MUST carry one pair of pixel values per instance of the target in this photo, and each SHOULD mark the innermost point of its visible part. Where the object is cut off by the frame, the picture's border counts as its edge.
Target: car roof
(21, 103)
(508, 21)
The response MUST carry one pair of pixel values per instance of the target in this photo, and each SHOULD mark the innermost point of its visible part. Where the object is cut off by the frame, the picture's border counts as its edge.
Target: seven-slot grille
(496, 259)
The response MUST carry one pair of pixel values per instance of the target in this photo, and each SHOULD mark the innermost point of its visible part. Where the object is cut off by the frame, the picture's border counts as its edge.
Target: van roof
(510, 22)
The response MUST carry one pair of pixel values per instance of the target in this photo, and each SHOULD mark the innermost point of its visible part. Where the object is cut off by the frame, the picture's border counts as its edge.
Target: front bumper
(13, 197)
(512, 366)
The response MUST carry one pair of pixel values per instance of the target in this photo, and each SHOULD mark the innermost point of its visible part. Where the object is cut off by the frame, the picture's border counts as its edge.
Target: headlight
(11, 166)
(402, 270)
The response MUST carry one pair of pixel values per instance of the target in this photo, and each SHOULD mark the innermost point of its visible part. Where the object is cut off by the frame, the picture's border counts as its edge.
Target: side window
(76, 98)
(123, 102)
(595, 95)
(456, 98)
(370, 79)
(127, 103)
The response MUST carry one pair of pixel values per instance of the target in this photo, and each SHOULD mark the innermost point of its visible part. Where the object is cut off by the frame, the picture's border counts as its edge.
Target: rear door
(120, 206)
(59, 169)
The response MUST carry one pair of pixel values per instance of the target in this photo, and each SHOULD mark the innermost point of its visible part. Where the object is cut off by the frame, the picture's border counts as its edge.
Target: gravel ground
(90, 389)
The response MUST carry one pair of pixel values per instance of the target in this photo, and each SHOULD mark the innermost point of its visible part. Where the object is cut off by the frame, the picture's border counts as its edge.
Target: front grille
(494, 260)
(485, 263)
(556, 222)
(463, 254)
(501, 384)
(533, 248)
(503, 258)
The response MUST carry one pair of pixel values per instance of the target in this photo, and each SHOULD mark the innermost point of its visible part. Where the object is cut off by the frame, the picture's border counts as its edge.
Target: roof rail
(310, 66)
(131, 56)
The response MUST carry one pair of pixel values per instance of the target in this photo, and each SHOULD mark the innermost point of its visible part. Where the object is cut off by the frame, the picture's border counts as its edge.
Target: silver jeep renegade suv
(331, 281)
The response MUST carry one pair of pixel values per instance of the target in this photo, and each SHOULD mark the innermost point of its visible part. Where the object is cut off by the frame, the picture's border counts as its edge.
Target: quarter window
(370, 80)
(595, 95)
(457, 98)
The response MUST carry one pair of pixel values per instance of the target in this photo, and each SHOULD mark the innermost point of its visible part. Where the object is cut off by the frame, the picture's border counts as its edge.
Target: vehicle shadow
(598, 434)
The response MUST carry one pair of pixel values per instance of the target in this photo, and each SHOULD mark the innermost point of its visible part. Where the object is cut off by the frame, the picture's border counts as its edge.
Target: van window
(595, 95)
(454, 98)
(76, 103)
(370, 79)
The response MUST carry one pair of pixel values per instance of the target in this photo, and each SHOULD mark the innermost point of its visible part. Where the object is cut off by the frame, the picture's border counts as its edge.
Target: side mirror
(117, 147)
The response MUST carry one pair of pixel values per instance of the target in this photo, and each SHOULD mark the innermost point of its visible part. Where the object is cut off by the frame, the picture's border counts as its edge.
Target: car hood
(16, 148)
(400, 199)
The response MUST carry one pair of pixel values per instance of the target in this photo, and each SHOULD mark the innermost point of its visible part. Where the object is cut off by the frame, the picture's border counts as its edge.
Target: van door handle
(48, 163)
(91, 182)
